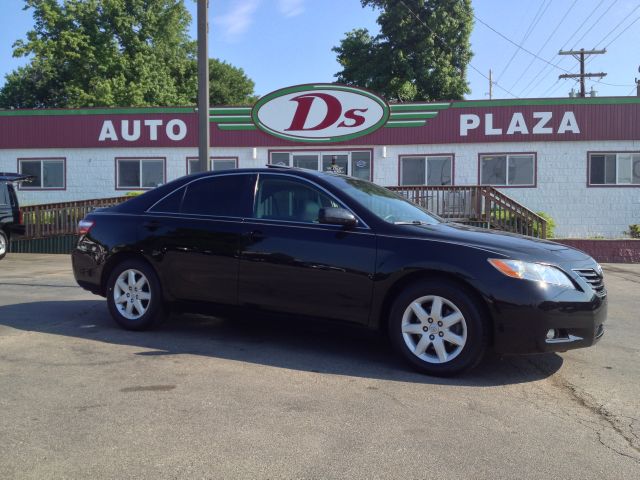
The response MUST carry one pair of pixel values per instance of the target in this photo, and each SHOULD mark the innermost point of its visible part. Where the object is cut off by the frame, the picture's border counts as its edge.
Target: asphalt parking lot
(209, 398)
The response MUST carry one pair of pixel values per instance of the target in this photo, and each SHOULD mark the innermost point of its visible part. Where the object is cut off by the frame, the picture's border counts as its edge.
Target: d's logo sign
(320, 113)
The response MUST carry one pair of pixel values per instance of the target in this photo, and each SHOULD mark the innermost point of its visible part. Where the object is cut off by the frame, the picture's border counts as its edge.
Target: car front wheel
(134, 296)
(438, 327)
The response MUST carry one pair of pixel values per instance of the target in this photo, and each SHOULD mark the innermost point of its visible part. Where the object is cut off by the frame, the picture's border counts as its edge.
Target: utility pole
(203, 86)
(490, 86)
(580, 56)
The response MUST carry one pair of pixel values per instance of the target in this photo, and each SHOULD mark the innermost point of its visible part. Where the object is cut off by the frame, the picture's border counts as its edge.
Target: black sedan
(309, 244)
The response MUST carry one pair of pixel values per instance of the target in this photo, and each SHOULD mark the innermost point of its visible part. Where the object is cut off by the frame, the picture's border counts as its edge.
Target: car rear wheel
(134, 296)
(4, 244)
(438, 327)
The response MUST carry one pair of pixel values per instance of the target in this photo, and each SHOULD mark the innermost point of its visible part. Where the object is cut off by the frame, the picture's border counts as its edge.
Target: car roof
(14, 177)
(142, 202)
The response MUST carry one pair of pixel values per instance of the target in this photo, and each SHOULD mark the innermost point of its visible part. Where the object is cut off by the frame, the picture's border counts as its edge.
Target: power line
(546, 42)
(625, 29)
(597, 20)
(532, 25)
(625, 18)
(519, 46)
(575, 32)
(582, 24)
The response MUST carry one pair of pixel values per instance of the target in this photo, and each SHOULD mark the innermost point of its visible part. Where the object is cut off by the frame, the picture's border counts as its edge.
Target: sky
(288, 42)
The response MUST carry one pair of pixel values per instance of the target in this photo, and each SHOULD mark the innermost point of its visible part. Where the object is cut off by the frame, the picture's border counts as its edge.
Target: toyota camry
(307, 244)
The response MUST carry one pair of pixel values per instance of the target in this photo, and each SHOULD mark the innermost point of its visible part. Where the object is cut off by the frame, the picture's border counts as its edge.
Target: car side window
(4, 194)
(279, 198)
(13, 199)
(171, 203)
(224, 195)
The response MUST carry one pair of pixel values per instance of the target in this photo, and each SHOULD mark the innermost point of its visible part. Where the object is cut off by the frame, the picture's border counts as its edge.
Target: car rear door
(196, 233)
(291, 263)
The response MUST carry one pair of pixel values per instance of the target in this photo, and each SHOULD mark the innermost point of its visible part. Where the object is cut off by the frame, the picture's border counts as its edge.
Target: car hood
(507, 244)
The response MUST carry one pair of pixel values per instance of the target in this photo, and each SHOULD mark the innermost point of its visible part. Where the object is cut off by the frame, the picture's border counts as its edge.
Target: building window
(356, 164)
(215, 164)
(49, 173)
(142, 173)
(614, 168)
(509, 170)
(426, 170)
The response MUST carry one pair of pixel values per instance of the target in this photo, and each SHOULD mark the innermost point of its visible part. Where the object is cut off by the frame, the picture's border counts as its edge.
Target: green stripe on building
(230, 111)
(547, 101)
(410, 107)
(93, 111)
(404, 124)
(230, 119)
(236, 126)
(412, 116)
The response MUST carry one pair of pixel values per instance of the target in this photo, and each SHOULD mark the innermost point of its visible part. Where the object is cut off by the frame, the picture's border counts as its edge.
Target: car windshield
(384, 203)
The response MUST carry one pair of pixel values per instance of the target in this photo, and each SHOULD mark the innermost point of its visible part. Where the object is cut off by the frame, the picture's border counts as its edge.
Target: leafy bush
(551, 224)
(634, 230)
(506, 219)
(133, 194)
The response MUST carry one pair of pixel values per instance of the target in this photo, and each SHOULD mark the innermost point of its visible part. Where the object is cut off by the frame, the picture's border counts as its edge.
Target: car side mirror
(337, 216)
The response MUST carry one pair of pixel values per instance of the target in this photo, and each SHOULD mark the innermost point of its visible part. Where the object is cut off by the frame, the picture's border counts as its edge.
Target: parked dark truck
(10, 218)
(309, 244)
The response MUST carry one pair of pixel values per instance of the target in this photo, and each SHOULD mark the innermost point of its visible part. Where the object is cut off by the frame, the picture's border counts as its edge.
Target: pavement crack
(605, 418)
(615, 450)
(611, 420)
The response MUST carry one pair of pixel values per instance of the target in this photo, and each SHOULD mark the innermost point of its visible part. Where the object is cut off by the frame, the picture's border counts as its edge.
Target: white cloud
(238, 20)
(291, 8)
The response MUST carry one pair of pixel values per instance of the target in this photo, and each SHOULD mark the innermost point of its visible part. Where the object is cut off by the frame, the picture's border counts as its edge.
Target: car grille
(596, 281)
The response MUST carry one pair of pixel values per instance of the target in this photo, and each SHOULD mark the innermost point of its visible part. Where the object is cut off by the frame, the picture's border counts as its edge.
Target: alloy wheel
(132, 294)
(434, 329)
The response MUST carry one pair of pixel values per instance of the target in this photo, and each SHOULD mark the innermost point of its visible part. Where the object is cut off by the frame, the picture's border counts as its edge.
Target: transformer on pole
(580, 56)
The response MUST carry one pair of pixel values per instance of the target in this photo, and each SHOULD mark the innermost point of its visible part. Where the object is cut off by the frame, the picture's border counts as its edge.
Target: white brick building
(577, 160)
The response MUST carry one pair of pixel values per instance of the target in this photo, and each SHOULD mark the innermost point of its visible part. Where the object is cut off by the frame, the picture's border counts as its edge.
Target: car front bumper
(572, 320)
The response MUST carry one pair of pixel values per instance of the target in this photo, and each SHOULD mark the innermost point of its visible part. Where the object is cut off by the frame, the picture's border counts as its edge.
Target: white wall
(561, 177)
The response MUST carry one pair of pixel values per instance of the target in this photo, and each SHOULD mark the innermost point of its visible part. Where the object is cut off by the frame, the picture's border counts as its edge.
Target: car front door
(196, 232)
(291, 263)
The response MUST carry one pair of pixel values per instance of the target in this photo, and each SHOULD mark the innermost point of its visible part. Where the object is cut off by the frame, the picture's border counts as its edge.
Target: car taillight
(84, 226)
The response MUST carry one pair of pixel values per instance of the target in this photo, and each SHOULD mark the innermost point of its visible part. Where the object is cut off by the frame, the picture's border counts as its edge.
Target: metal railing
(61, 218)
(481, 205)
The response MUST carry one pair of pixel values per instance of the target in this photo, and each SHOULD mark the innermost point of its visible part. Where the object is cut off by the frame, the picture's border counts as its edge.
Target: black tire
(457, 300)
(4, 244)
(153, 308)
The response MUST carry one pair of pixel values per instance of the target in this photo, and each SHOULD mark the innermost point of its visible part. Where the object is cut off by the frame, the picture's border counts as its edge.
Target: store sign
(134, 130)
(320, 113)
(534, 123)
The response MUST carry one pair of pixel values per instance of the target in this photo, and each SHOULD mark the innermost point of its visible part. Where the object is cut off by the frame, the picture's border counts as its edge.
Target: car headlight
(537, 272)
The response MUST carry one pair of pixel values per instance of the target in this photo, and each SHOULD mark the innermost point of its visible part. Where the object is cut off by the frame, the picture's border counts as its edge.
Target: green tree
(113, 53)
(421, 53)
(229, 85)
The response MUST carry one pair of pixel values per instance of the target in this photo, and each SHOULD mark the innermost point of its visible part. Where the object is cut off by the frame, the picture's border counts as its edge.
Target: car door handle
(256, 235)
